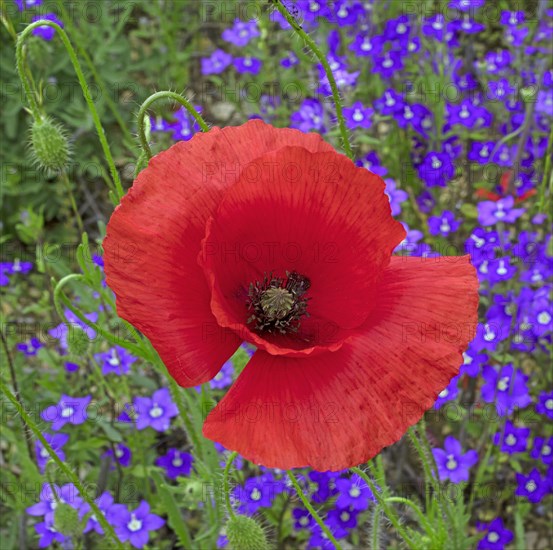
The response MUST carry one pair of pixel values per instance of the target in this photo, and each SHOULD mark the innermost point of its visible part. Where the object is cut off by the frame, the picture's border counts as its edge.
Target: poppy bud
(244, 533)
(66, 519)
(528, 94)
(49, 145)
(77, 341)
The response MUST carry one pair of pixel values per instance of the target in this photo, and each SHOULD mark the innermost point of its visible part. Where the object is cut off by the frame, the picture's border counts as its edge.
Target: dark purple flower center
(277, 304)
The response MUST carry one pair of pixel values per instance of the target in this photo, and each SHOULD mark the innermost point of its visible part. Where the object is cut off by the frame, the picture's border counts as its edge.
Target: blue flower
(257, 492)
(223, 379)
(395, 195)
(68, 410)
(30, 347)
(302, 519)
(452, 463)
(135, 526)
(309, 116)
(512, 439)
(123, 454)
(116, 360)
(216, 63)
(13, 268)
(247, 64)
(56, 441)
(61, 331)
(491, 212)
(241, 32)
(51, 496)
(354, 493)
(341, 522)
(449, 393)
(371, 162)
(358, 116)
(46, 32)
(185, 126)
(444, 224)
(497, 535)
(542, 449)
(436, 169)
(105, 503)
(176, 463)
(507, 388)
(27, 4)
(532, 486)
(155, 411)
(545, 404)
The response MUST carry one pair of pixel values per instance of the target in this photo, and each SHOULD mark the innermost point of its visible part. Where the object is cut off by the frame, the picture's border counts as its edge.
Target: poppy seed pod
(78, 341)
(244, 533)
(66, 519)
(49, 145)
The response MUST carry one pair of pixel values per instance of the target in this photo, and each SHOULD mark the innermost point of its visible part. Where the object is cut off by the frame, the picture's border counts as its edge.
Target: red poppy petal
(336, 410)
(314, 213)
(154, 237)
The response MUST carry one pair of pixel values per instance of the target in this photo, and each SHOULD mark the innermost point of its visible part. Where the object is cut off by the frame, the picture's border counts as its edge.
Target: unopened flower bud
(66, 519)
(49, 145)
(244, 533)
(77, 341)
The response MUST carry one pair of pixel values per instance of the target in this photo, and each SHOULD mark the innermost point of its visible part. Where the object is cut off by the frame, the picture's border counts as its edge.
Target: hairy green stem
(312, 511)
(418, 512)
(375, 527)
(108, 529)
(547, 180)
(164, 95)
(311, 44)
(17, 393)
(60, 298)
(101, 85)
(226, 487)
(67, 184)
(20, 61)
(390, 513)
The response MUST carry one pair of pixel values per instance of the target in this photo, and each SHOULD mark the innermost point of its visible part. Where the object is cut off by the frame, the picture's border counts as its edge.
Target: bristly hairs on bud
(49, 145)
(78, 341)
(244, 533)
(66, 520)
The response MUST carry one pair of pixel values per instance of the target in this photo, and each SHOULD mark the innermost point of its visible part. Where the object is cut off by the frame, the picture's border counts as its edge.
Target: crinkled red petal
(154, 236)
(337, 410)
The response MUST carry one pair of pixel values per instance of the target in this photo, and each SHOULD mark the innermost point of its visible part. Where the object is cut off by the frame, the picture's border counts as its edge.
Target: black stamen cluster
(274, 311)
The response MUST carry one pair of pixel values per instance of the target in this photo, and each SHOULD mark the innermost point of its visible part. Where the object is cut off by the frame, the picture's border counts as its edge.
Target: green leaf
(469, 210)
(110, 431)
(176, 521)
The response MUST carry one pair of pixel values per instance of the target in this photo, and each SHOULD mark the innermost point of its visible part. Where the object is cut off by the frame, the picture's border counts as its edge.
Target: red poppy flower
(270, 236)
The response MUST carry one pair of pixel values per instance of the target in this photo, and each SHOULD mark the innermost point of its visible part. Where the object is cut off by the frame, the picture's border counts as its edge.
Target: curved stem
(108, 529)
(312, 511)
(154, 97)
(24, 77)
(84, 54)
(311, 44)
(226, 487)
(20, 60)
(390, 513)
(60, 298)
